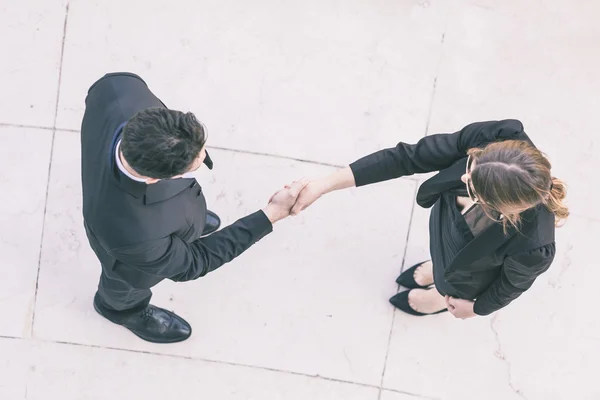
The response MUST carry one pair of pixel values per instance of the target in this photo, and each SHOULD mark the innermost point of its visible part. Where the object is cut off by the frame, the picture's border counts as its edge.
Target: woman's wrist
(326, 184)
(341, 179)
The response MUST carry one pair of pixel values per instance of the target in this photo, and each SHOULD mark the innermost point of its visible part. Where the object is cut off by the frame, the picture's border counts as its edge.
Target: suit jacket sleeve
(173, 258)
(433, 152)
(518, 274)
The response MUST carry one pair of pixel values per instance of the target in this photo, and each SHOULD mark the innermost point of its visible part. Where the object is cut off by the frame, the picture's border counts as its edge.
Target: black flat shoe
(407, 278)
(400, 301)
(213, 222)
(152, 324)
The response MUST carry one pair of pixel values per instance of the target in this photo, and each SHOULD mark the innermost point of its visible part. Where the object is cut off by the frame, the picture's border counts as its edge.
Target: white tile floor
(304, 314)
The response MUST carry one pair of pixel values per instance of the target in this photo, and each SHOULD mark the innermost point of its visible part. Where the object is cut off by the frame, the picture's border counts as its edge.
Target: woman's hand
(311, 193)
(341, 179)
(460, 308)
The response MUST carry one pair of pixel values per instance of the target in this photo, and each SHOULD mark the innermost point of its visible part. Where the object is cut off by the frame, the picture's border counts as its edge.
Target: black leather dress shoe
(153, 324)
(213, 222)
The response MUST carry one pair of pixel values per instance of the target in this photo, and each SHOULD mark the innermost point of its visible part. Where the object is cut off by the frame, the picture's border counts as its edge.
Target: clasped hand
(281, 203)
(294, 198)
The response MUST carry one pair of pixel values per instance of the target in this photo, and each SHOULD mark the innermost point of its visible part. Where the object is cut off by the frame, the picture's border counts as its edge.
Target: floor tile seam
(406, 241)
(39, 264)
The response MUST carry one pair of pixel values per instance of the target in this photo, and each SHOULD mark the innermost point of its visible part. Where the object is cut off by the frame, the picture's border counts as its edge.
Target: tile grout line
(12, 337)
(240, 151)
(60, 68)
(429, 115)
(37, 278)
(188, 358)
(410, 221)
(212, 361)
(206, 360)
(435, 80)
(432, 99)
(257, 153)
(6, 124)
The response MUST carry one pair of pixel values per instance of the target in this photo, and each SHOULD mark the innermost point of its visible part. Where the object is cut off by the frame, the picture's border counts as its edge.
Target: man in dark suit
(145, 216)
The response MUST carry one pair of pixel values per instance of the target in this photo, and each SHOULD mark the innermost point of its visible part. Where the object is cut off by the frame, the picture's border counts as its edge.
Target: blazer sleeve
(433, 152)
(517, 275)
(173, 258)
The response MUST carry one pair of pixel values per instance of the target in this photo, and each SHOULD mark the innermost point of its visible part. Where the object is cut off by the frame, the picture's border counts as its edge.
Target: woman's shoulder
(537, 229)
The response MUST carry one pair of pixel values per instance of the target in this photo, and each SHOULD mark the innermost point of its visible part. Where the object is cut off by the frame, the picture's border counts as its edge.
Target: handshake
(292, 199)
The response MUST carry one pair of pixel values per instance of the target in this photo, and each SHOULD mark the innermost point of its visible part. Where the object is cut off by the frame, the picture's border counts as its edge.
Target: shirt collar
(122, 167)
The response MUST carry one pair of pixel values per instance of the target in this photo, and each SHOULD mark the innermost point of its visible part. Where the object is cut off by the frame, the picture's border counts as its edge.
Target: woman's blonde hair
(513, 176)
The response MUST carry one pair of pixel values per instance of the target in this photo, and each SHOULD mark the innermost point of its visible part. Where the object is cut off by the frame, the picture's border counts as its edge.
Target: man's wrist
(271, 214)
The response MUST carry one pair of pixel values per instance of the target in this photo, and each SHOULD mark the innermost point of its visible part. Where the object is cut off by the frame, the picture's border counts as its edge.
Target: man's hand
(281, 203)
(460, 308)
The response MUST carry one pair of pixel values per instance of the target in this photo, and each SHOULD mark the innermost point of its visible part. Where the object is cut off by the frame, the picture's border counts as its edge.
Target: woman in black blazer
(495, 208)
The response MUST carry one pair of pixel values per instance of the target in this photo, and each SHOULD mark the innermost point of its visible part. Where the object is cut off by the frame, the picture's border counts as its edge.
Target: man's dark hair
(161, 143)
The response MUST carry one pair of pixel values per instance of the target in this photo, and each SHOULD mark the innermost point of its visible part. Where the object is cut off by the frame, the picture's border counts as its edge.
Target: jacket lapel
(166, 189)
(484, 244)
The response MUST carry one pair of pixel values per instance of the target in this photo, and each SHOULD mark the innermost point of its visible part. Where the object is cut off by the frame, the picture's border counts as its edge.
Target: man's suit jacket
(144, 233)
(506, 263)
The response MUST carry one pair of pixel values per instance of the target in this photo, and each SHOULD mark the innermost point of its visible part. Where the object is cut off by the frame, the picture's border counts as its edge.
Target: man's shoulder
(121, 77)
(118, 95)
